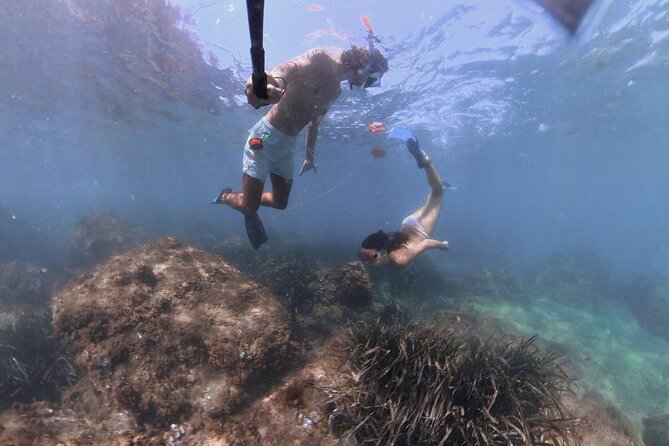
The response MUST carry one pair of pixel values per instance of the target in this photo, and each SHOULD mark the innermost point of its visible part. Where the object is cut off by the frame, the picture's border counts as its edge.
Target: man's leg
(248, 201)
(278, 198)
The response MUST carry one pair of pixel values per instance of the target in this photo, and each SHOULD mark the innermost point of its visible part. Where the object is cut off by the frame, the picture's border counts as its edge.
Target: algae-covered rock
(346, 284)
(170, 332)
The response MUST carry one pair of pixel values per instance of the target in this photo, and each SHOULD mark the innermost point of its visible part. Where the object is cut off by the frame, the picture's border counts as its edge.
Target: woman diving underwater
(399, 248)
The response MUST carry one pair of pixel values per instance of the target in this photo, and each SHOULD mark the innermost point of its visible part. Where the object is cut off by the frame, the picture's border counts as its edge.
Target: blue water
(555, 143)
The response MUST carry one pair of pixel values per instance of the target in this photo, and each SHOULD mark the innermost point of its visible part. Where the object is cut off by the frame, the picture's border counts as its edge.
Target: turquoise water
(555, 142)
(612, 356)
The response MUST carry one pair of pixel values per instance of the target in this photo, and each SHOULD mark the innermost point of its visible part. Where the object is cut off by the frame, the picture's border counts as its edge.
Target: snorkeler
(302, 90)
(399, 248)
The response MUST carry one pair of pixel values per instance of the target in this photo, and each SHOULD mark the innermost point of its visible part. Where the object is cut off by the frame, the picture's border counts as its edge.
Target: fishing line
(343, 180)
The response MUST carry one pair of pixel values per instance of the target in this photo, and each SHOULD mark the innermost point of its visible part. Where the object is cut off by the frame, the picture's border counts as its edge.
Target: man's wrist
(280, 80)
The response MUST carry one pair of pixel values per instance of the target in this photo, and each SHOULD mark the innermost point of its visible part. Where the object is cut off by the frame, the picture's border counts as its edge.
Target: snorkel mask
(372, 78)
(368, 255)
(371, 74)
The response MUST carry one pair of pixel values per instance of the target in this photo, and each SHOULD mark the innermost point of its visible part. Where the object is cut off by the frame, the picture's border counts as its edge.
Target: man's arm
(277, 81)
(312, 136)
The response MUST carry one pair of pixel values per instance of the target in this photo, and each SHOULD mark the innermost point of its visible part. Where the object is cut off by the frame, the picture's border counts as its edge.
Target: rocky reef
(167, 344)
(169, 332)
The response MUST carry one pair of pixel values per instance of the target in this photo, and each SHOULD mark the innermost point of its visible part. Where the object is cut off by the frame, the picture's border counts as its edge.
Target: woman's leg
(428, 215)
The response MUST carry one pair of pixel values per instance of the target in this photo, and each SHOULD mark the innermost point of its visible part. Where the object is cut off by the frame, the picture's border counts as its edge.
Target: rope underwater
(343, 180)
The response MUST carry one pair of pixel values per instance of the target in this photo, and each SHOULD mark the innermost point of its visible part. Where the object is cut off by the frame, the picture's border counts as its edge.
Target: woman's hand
(444, 245)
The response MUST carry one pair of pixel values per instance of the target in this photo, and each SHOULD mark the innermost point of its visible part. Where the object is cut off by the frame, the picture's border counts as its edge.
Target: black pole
(256, 10)
(568, 12)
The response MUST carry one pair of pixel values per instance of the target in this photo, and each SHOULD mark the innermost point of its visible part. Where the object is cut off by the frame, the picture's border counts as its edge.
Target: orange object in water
(378, 153)
(315, 8)
(367, 23)
(376, 127)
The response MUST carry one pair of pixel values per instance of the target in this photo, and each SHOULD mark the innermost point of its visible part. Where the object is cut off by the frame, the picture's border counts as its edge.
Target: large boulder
(336, 295)
(171, 333)
(345, 284)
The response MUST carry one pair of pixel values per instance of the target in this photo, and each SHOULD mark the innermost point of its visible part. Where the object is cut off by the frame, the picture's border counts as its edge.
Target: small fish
(378, 153)
(376, 127)
(315, 8)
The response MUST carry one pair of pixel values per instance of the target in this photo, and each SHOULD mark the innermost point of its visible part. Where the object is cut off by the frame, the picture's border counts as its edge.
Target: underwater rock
(22, 283)
(421, 280)
(171, 333)
(346, 284)
(656, 430)
(100, 235)
(337, 295)
(648, 300)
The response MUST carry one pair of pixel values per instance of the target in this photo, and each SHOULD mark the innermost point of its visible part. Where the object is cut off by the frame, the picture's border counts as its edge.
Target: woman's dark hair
(380, 240)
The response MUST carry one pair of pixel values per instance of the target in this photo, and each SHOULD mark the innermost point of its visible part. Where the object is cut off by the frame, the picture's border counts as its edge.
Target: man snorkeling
(399, 248)
(301, 91)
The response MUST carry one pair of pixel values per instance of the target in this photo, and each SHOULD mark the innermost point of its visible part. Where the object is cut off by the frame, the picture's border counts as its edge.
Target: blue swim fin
(448, 185)
(407, 137)
(255, 230)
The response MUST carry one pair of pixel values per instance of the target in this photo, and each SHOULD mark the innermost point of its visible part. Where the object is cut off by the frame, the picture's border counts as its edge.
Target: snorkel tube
(375, 82)
(255, 10)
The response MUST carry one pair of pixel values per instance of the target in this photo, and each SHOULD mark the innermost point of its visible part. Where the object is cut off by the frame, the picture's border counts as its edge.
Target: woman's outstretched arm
(405, 256)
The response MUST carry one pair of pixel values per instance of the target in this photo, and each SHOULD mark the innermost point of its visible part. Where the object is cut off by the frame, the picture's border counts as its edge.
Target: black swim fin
(418, 154)
(407, 137)
(568, 12)
(219, 198)
(255, 230)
